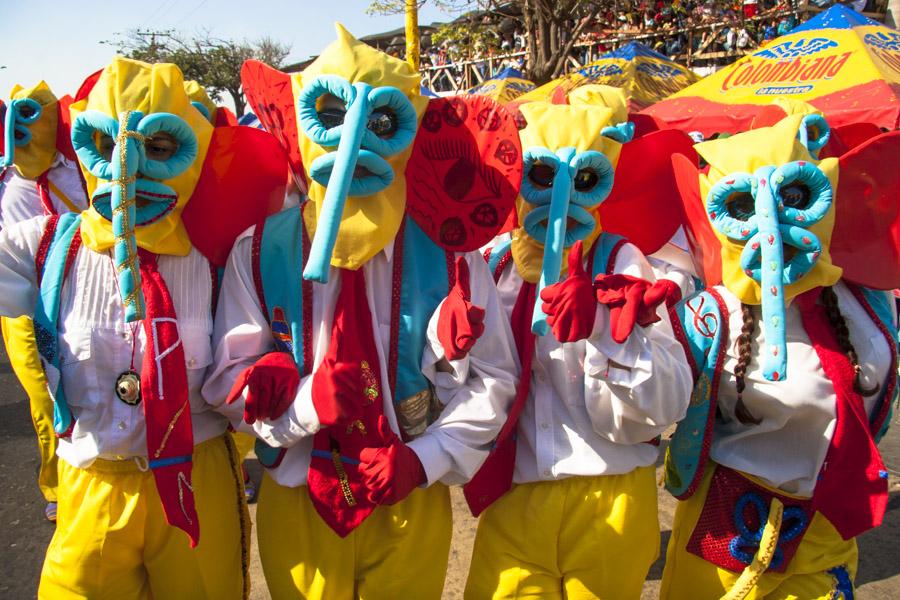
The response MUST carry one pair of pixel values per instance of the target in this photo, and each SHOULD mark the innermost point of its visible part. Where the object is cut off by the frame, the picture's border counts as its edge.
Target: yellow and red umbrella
(505, 86)
(840, 62)
(645, 75)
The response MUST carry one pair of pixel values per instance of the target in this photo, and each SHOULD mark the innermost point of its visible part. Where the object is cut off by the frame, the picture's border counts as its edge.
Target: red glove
(570, 305)
(390, 473)
(460, 323)
(632, 300)
(338, 392)
(271, 384)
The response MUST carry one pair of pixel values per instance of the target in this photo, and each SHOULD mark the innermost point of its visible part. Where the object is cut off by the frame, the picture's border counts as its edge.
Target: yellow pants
(689, 577)
(244, 443)
(26, 364)
(581, 537)
(399, 551)
(112, 540)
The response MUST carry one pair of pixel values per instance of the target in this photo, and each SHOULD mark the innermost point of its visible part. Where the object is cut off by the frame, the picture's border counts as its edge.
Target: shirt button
(121, 425)
(545, 426)
(192, 363)
(548, 473)
(540, 377)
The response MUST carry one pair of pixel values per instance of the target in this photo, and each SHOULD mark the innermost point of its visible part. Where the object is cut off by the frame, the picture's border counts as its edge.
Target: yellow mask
(153, 90)
(342, 150)
(36, 154)
(583, 136)
(772, 208)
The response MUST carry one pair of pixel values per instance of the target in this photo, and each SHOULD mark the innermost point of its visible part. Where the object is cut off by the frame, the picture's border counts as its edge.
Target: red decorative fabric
(852, 488)
(464, 172)
(495, 476)
(460, 323)
(570, 305)
(390, 473)
(352, 373)
(167, 410)
(271, 384)
(40, 257)
(631, 301)
(733, 516)
(43, 189)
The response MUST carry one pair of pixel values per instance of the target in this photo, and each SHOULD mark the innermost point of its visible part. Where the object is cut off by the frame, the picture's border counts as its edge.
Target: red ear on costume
(224, 117)
(270, 96)
(241, 183)
(866, 238)
(64, 128)
(645, 124)
(465, 170)
(706, 250)
(87, 85)
(643, 205)
(847, 137)
(767, 116)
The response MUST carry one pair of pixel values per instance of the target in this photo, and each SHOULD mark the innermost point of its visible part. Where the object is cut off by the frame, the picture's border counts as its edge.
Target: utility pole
(412, 33)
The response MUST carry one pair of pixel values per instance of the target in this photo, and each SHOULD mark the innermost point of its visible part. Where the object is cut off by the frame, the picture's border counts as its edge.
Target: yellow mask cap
(130, 85)
(745, 153)
(368, 223)
(36, 157)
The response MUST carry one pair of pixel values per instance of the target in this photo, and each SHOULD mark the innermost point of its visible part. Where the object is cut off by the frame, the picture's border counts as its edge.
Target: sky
(59, 41)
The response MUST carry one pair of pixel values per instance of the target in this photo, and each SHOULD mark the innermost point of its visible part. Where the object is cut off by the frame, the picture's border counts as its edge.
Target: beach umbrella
(505, 86)
(841, 62)
(646, 76)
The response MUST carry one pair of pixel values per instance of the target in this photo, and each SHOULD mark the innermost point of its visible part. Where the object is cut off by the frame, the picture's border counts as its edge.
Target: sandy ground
(24, 533)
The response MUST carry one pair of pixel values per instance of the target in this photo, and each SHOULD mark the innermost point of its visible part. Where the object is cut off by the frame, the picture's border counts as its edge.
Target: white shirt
(476, 394)
(787, 448)
(586, 416)
(95, 343)
(19, 198)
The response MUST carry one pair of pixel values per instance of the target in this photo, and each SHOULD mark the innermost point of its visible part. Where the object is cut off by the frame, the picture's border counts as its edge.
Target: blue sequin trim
(843, 584)
(745, 545)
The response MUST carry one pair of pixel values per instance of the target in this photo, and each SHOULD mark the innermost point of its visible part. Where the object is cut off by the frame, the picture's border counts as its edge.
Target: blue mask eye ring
(35, 107)
(183, 157)
(407, 122)
(535, 224)
(819, 126)
(307, 111)
(621, 132)
(530, 192)
(821, 192)
(201, 108)
(717, 206)
(602, 167)
(84, 127)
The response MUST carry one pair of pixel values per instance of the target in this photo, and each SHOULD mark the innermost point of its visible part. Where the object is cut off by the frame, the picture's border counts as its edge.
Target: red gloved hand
(460, 323)
(392, 472)
(570, 305)
(271, 384)
(338, 392)
(632, 300)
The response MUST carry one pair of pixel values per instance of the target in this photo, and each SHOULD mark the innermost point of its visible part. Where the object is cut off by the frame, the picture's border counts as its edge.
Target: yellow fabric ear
(746, 152)
(369, 223)
(129, 85)
(36, 157)
(197, 93)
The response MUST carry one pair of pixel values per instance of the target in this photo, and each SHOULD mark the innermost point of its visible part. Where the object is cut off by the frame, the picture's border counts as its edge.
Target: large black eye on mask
(796, 195)
(740, 206)
(383, 122)
(541, 176)
(586, 180)
(331, 117)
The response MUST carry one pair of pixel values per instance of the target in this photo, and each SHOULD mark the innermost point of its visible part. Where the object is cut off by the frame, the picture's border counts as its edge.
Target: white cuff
(435, 460)
(299, 421)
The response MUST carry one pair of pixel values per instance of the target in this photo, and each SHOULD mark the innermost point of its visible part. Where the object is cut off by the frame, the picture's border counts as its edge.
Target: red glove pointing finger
(390, 473)
(271, 384)
(632, 300)
(570, 305)
(460, 323)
